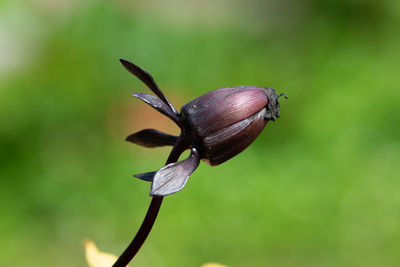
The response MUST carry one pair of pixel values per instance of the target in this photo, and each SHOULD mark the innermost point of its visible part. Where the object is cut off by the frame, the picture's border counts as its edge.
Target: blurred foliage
(318, 188)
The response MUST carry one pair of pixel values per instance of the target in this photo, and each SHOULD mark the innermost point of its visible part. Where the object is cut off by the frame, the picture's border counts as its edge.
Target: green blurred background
(319, 187)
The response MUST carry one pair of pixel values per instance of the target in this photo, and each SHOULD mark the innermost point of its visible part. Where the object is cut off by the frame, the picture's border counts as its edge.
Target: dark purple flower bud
(215, 126)
(225, 121)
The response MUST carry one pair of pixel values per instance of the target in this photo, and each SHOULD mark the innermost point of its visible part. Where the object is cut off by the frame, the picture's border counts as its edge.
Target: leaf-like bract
(173, 177)
(147, 176)
(158, 105)
(152, 138)
(147, 79)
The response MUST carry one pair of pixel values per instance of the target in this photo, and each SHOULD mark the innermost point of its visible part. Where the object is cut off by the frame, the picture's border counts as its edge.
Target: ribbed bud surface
(226, 121)
(230, 141)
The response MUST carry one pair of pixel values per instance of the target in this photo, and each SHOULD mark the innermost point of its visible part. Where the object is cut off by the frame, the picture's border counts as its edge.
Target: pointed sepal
(147, 176)
(158, 105)
(173, 177)
(148, 80)
(152, 138)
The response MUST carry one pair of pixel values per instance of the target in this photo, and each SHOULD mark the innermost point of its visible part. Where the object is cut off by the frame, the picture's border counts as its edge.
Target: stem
(152, 211)
(142, 234)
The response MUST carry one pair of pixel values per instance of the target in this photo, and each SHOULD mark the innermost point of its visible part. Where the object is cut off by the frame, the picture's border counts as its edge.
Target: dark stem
(152, 212)
(142, 234)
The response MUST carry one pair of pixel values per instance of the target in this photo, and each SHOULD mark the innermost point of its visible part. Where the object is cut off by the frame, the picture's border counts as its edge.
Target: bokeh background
(319, 187)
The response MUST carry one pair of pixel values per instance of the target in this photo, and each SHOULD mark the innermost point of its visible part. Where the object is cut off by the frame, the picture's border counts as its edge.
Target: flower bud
(226, 121)
(215, 127)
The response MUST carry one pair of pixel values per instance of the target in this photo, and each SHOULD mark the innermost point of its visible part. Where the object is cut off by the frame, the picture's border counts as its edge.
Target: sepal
(147, 176)
(152, 138)
(158, 105)
(173, 177)
(148, 80)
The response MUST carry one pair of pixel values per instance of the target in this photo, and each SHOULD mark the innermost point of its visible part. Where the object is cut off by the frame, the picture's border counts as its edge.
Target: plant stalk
(152, 212)
(142, 234)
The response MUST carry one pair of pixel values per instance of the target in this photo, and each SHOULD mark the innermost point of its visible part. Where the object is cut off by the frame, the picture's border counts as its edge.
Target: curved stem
(152, 211)
(142, 234)
(180, 146)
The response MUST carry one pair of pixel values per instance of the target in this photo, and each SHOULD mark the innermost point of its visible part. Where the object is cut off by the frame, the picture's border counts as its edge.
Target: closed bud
(226, 121)
(215, 127)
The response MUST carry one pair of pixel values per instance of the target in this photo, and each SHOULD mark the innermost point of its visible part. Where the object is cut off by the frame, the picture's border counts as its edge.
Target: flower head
(215, 127)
